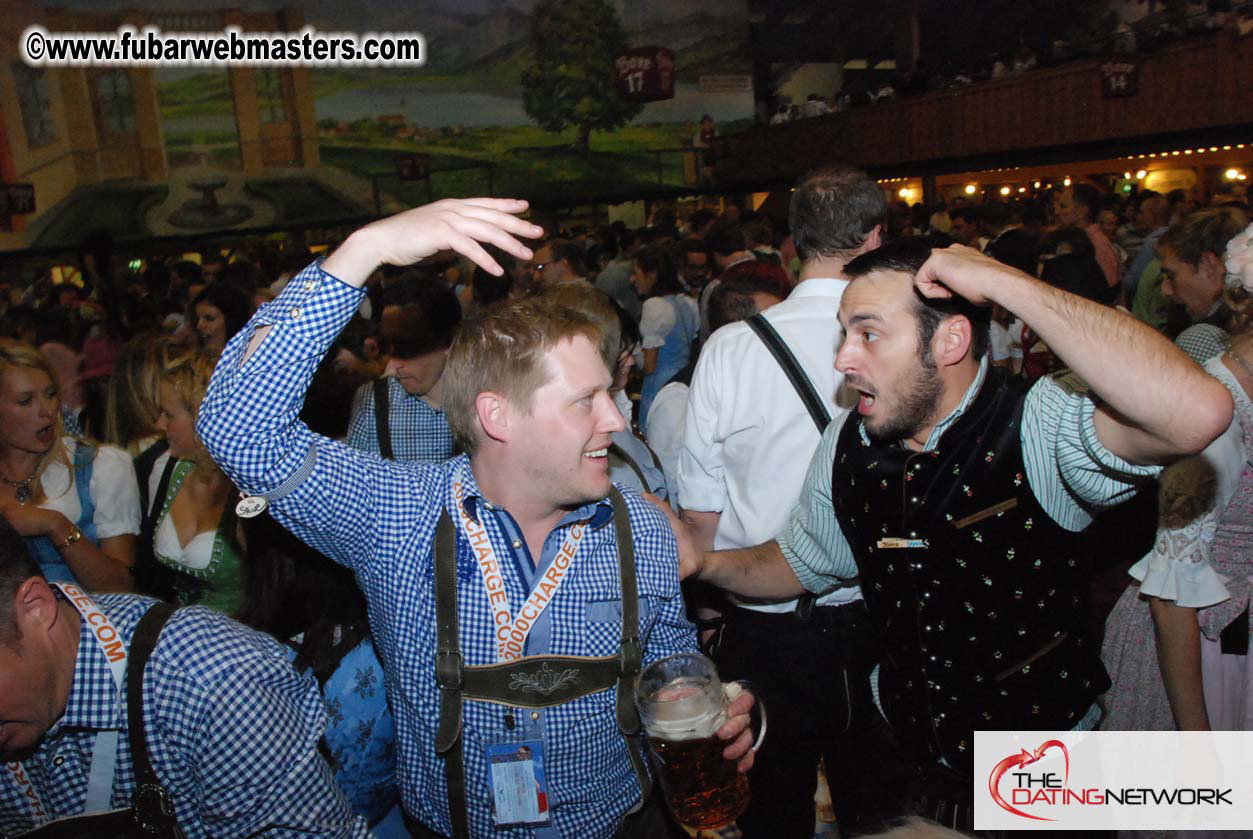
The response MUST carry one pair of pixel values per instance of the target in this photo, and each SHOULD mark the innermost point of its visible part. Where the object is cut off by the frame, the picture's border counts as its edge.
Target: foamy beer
(682, 704)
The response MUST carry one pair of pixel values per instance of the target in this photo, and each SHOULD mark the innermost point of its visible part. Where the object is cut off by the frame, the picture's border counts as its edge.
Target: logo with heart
(1024, 758)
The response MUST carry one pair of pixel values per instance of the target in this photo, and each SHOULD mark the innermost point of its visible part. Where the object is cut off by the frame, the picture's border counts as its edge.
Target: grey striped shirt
(1070, 472)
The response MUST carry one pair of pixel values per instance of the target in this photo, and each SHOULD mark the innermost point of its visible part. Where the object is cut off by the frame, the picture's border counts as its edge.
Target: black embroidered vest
(985, 626)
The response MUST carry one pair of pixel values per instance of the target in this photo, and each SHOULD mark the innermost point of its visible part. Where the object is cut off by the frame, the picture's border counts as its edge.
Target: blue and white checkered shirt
(232, 731)
(418, 431)
(378, 518)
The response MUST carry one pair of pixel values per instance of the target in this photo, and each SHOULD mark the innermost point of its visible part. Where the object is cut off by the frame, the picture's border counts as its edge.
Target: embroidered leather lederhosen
(501, 682)
(151, 814)
(986, 626)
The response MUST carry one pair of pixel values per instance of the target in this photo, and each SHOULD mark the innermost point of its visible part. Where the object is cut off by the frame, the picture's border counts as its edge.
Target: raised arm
(1158, 404)
(452, 224)
(325, 492)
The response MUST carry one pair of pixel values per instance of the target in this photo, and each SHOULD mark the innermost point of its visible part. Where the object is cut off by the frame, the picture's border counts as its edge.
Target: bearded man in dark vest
(955, 495)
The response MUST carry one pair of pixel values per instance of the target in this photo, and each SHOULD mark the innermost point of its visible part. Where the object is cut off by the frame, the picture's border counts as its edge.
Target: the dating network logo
(1029, 788)
(1113, 780)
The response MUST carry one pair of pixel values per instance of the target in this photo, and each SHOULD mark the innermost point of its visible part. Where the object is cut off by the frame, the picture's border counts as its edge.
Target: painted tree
(571, 77)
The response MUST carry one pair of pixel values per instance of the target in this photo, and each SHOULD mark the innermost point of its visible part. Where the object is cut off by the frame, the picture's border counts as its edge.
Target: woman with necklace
(76, 504)
(191, 520)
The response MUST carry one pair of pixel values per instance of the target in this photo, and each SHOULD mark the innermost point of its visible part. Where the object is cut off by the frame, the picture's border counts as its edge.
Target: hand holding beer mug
(683, 705)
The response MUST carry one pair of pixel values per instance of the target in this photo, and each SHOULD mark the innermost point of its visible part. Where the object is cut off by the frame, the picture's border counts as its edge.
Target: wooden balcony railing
(1189, 87)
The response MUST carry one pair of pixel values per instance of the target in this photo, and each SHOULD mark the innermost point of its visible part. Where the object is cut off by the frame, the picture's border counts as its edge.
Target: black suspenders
(151, 813)
(809, 397)
(498, 682)
(382, 422)
(792, 368)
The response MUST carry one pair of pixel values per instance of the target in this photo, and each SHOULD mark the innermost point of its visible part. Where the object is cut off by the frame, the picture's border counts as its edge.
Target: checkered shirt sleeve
(379, 518)
(232, 731)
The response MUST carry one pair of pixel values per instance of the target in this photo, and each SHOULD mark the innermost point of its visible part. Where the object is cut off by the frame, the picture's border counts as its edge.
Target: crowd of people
(1103, 38)
(854, 456)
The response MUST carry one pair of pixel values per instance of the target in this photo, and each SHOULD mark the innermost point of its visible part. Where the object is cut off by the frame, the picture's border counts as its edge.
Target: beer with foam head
(681, 703)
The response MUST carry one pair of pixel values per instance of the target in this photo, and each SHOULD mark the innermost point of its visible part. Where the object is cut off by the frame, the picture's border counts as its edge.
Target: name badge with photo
(519, 790)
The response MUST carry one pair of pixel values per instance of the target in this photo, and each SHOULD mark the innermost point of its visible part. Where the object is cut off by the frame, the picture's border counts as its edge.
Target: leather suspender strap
(152, 807)
(453, 677)
(448, 675)
(382, 424)
(630, 650)
(804, 388)
(809, 397)
(621, 453)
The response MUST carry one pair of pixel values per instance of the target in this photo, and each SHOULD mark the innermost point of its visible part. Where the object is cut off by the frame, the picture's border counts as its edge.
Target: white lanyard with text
(104, 752)
(511, 633)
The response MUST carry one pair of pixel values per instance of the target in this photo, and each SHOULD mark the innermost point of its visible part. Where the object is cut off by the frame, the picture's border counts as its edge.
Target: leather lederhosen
(503, 683)
(151, 814)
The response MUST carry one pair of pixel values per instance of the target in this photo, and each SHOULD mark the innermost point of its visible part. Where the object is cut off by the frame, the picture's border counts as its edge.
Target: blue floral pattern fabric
(361, 737)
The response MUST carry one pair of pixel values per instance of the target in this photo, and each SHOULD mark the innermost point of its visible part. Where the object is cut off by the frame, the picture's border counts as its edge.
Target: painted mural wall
(177, 150)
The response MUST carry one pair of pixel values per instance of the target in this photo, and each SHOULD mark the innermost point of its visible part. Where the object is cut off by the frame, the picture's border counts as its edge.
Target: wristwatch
(70, 538)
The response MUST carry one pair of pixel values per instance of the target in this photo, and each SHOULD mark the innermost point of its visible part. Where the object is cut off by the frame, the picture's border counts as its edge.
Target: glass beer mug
(682, 704)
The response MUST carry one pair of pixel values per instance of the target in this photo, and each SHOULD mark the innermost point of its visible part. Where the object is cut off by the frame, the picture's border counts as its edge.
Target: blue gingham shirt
(418, 431)
(232, 732)
(378, 518)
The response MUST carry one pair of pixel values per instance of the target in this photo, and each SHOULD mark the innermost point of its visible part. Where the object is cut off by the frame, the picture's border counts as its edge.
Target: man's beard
(919, 394)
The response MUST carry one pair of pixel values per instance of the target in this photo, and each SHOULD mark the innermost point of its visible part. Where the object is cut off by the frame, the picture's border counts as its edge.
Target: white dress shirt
(747, 438)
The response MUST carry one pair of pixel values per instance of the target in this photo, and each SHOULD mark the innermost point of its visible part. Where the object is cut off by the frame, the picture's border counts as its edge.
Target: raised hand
(963, 271)
(457, 224)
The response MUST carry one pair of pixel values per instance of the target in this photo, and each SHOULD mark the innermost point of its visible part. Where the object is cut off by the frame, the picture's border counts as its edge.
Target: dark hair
(58, 324)
(1204, 231)
(759, 232)
(1034, 213)
(187, 271)
(241, 274)
(354, 335)
(907, 256)
(399, 289)
(234, 304)
(293, 262)
(327, 408)
(1079, 274)
(968, 214)
(424, 326)
(1017, 249)
(1076, 237)
(630, 330)
(486, 288)
(693, 245)
(16, 567)
(700, 218)
(1086, 195)
(410, 333)
(656, 259)
(833, 210)
(732, 300)
(725, 239)
(293, 589)
(997, 214)
(570, 252)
